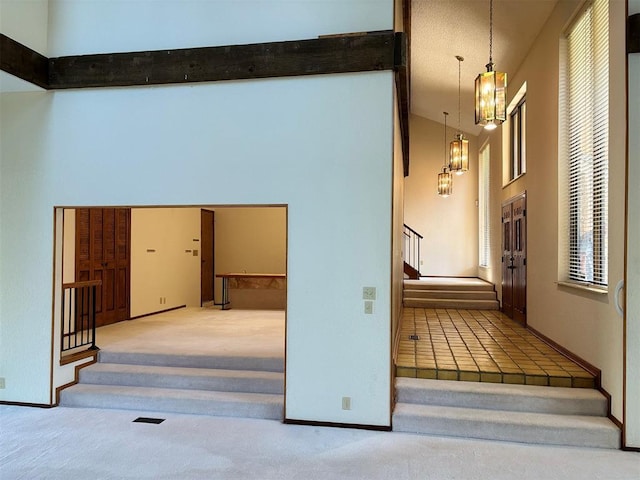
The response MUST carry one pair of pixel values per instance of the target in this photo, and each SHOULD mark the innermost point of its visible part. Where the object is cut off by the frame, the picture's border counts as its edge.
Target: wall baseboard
(27, 404)
(593, 370)
(75, 379)
(76, 357)
(311, 423)
(158, 312)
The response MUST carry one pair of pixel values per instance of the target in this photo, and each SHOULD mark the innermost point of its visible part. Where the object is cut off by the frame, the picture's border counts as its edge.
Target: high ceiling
(442, 29)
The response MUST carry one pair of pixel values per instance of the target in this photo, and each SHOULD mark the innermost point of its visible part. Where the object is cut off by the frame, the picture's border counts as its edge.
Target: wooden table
(267, 282)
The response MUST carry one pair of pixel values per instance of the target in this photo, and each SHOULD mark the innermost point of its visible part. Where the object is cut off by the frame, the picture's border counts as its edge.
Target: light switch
(368, 293)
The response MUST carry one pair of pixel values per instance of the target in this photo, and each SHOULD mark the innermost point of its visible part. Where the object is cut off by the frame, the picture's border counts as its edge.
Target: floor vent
(155, 421)
(414, 337)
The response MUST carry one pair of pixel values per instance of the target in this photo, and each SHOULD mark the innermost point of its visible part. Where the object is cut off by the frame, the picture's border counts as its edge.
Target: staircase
(463, 293)
(223, 386)
(515, 413)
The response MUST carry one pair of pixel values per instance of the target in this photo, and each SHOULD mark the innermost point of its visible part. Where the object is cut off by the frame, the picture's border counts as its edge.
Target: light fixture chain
(490, 31)
(445, 138)
(459, 82)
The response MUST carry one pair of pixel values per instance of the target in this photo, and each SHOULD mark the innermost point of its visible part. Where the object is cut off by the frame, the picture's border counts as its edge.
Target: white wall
(161, 266)
(583, 322)
(321, 145)
(25, 21)
(102, 26)
(632, 410)
(398, 224)
(449, 225)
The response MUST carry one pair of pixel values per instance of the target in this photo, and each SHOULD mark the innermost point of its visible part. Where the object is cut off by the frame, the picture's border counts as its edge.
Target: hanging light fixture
(491, 89)
(445, 179)
(459, 147)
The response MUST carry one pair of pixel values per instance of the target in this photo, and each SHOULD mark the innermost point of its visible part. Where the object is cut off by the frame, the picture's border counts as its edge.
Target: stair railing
(411, 251)
(79, 316)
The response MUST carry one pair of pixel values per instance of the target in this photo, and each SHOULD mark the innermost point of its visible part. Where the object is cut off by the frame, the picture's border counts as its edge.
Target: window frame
(584, 151)
(484, 206)
(518, 140)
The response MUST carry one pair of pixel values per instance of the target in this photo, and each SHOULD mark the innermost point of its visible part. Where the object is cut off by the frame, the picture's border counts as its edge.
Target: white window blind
(484, 234)
(587, 84)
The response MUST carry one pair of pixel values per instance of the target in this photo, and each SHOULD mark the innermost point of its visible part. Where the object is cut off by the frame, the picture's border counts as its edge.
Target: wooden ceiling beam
(336, 54)
(23, 62)
(633, 33)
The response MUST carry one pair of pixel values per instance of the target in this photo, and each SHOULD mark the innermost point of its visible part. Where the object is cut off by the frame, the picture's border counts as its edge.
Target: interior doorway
(514, 258)
(207, 269)
(152, 260)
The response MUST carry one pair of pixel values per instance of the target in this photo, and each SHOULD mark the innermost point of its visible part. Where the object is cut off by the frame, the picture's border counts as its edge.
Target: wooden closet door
(103, 253)
(507, 260)
(514, 258)
(519, 254)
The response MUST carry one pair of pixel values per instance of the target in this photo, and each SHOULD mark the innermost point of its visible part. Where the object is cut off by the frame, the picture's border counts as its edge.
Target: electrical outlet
(368, 293)
(346, 403)
(1, 382)
(368, 307)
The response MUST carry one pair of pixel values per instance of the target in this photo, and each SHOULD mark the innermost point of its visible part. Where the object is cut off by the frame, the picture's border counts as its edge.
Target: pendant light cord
(491, 31)
(445, 141)
(460, 60)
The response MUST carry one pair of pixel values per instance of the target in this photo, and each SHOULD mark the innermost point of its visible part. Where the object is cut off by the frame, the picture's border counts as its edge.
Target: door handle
(511, 267)
(616, 298)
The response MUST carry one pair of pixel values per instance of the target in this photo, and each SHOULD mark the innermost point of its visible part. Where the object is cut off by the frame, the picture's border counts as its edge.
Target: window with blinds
(586, 86)
(586, 119)
(483, 207)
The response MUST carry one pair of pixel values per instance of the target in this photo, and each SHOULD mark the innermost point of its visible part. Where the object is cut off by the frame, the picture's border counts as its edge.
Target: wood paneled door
(103, 252)
(207, 273)
(514, 258)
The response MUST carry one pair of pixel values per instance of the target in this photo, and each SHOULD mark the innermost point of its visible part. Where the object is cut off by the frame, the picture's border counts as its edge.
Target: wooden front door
(207, 244)
(103, 251)
(514, 258)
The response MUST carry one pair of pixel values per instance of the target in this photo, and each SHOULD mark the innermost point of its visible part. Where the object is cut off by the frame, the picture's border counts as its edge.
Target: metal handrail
(411, 251)
(78, 312)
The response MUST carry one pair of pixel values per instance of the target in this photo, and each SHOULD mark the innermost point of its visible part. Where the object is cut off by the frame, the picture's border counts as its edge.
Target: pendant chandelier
(491, 89)
(459, 147)
(445, 179)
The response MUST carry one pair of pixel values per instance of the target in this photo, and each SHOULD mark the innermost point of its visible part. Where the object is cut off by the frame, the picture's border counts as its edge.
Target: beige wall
(585, 323)
(164, 272)
(449, 225)
(251, 240)
(69, 246)
(397, 266)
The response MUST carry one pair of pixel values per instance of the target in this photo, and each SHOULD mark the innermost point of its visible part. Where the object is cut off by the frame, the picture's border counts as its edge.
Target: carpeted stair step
(450, 294)
(198, 402)
(268, 364)
(451, 303)
(183, 378)
(425, 284)
(491, 396)
(539, 428)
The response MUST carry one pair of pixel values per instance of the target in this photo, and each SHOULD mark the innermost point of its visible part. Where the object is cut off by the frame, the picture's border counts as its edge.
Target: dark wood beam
(633, 33)
(406, 23)
(402, 95)
(24, 63)
(339, 54)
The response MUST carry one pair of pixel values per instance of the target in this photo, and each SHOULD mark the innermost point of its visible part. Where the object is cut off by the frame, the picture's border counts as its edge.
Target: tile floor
(480, 346)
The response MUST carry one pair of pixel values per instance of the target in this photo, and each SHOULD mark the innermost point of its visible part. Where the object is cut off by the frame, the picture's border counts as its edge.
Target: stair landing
(450, 292)
(480, 346)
